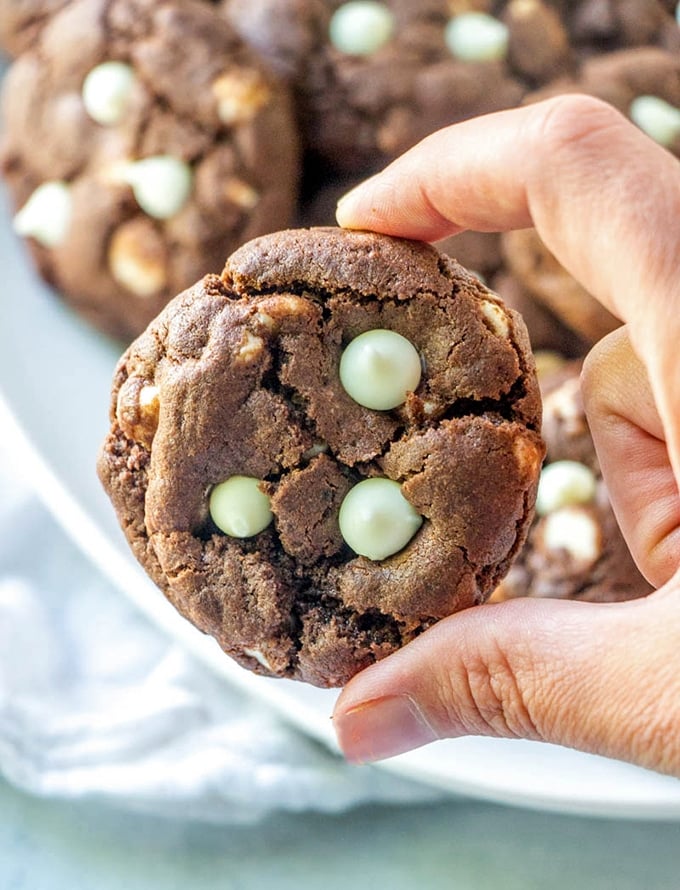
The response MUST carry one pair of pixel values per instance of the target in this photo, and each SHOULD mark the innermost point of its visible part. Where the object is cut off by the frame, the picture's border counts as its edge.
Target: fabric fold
(96, 702)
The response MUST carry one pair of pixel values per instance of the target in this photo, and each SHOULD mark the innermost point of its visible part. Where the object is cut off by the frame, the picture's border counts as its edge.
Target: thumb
(595, 677)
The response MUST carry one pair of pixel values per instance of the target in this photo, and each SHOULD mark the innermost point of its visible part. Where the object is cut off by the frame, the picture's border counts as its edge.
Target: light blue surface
(57, 846)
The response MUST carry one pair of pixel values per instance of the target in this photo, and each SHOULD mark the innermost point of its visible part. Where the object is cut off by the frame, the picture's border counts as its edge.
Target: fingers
(574, 167)
(604, 198)
(556, 671)
(601, 678)
(629, 439)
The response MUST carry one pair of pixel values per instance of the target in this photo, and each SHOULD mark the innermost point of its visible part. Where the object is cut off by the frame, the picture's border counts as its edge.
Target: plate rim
(125, 574)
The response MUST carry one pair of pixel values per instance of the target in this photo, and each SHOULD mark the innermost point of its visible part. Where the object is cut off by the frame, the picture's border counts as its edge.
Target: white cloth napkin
(96, 702)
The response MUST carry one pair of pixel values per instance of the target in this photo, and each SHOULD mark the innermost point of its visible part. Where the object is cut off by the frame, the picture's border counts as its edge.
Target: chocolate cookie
(143, 143)
(546, 330)
(575, 549)
(22, 20)
(372, 78)
(549, 283)
(477, 251)
(597, 26)
(311, 497)
(643, 83)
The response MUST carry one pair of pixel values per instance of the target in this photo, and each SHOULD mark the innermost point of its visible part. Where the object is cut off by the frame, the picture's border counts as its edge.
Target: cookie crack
(364, 631)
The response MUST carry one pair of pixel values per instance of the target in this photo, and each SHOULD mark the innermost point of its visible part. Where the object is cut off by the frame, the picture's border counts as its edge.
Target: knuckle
(567, 122)
(486, 696)
(604, 358)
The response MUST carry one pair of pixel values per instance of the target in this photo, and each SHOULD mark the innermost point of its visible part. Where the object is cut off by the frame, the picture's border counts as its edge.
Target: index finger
(604, 198)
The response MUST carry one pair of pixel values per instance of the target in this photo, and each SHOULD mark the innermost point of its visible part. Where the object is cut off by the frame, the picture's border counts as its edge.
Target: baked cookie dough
(643, 83)
(575, 549)
(546, 330)
(22, 20)
(308, 533)
(543, 277)
(597, 26)
(372, 78)
(143, 142)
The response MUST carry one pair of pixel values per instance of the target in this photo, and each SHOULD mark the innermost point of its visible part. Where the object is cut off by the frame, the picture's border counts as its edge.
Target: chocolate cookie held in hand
(575, 548)
(326, 449)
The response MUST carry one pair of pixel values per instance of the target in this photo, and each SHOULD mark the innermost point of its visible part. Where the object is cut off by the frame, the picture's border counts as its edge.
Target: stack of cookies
(144, 142)
(147, 140)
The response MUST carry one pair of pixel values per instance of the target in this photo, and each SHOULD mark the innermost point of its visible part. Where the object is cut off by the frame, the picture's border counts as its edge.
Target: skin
(601, 678)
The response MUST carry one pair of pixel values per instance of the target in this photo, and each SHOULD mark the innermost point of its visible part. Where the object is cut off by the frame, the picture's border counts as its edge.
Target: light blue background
(47, 845)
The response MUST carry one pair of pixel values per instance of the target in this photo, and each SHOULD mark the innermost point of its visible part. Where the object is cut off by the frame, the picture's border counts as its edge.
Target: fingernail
(343, 210)
(347, 204)
(382, 728)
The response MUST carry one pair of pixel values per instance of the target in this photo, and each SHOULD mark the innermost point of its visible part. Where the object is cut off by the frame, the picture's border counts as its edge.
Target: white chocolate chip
(361, 27)
(161, 184)
(564, 483)
(497, 319)
(250, 348)
(564, 402)
(265, 320)
(240, 94)
(547, 361)
(240, 193)
(316, 449)
(149, 399)
(107, 90)
(574, 530)
(46, 216)
(292, 305)
(149, 406)
(524, 9)
(258, 656)
(376, 520)
(138, 409)
(527, 455)
(239, 508)
(657, 118)
(477, 37)
(379, 368)
(137, 263)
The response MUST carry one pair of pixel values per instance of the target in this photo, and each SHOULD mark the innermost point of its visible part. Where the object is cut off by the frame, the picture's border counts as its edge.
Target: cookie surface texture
(372, 78)
(239, 378)
(22, 20)
(575, 548)
(164, 145)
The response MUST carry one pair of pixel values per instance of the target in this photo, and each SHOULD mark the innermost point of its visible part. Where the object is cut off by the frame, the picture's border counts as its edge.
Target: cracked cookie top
(229, 413)
(143, 142)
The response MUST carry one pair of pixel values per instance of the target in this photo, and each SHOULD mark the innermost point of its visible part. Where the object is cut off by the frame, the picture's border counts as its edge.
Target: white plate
(55, 374)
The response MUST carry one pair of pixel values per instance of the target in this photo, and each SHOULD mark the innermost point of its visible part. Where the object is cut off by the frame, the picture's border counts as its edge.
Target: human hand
(602, 678)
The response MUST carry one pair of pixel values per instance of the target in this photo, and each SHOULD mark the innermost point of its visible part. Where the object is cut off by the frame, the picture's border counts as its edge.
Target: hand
(602, 678)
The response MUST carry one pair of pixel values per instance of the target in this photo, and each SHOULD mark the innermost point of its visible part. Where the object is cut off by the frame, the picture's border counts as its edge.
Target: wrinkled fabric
(96, 702)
